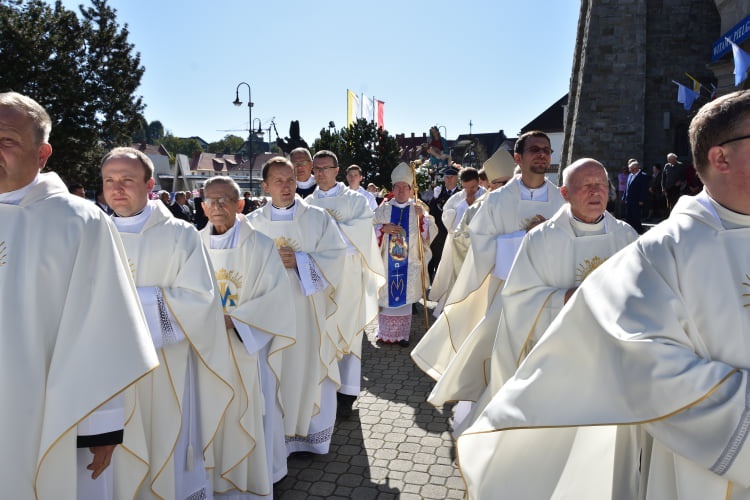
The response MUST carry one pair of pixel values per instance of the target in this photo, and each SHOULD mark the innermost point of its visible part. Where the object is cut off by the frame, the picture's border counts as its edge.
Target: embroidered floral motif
(587, 267)
(283, 241)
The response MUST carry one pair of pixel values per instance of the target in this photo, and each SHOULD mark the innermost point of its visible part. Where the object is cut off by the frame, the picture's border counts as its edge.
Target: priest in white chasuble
(402, 228)
(499, 171)
(496, 232)
(453, 212)
(252, 283)
(552, 262)
(361, 278)
(182, 402)
(654, 339)
(73, 335)
(312, 251)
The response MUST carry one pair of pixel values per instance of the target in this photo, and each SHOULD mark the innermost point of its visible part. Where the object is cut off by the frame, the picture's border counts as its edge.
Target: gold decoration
(3, 254)
(587, 267)
(131, 265)
(747, 284)
(530, 222)
(233, 276)
(228, 280)
(283, 241)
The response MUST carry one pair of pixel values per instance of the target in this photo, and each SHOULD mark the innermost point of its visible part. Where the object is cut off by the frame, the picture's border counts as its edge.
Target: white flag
(367, 109)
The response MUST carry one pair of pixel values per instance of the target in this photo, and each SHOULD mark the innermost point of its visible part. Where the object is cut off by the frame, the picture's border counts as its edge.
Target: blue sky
(496, 63)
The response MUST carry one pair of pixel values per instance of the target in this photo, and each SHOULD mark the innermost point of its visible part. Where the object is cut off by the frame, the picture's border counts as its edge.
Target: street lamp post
(238, 102)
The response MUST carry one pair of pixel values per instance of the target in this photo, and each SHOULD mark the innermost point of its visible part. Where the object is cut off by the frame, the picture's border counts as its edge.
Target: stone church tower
(622, 102)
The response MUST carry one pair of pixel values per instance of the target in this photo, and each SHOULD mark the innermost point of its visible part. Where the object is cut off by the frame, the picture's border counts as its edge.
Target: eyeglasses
(221, 202)
(735, 140)
(319, 170)
(535, 150)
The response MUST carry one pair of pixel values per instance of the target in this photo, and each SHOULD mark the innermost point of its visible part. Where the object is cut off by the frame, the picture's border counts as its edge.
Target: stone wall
(622, 101)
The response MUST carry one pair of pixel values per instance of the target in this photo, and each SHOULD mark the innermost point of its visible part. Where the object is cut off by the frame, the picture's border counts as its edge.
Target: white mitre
(402, 173)
(500, 164)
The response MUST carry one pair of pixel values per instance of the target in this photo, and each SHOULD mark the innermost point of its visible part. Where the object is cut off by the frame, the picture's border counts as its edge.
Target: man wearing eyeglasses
(252, 282)
(179, 297)
(302, 163)
(496, 232)
(663, 346)
(362, 276)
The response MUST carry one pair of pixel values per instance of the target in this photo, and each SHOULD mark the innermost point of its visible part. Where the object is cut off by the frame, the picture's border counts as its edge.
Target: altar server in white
(362, 276)
(655, 337)
(182, 402)
(252, 282)
(73, 336)
(312, 251)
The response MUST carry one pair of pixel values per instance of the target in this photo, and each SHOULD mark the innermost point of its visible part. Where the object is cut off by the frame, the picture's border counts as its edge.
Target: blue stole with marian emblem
(398, 257)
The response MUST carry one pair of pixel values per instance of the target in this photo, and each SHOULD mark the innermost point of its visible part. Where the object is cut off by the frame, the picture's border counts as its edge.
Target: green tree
(178, 145)
(363, 143)
(230, 144)
(82, 70)
(155, 131)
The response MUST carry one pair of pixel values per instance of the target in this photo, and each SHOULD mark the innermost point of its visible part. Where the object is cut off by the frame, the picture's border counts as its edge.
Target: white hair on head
(573, 167)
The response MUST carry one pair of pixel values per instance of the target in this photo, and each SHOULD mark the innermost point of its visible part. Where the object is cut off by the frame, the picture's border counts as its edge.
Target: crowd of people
(186, 347)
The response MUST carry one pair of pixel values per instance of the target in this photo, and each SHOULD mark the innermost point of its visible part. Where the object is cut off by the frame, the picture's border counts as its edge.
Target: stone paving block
(310, 474)
(433, 491)
(322, 489)
(350, 480)
(442, 470)
(414, 477)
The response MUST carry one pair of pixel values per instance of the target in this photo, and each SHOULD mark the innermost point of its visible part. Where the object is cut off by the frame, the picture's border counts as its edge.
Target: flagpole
(415, 187)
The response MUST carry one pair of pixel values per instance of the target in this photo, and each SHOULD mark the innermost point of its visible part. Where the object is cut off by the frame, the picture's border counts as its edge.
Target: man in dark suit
(636, 195)
(450, 178)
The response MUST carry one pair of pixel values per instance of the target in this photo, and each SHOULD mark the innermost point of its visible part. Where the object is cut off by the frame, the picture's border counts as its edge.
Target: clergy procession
(578, 359)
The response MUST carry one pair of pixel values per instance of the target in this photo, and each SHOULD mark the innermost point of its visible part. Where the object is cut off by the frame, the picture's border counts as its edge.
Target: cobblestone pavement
(394, 446)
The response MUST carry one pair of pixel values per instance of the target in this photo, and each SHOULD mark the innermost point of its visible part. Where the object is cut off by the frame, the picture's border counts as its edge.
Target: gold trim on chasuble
(3, 254)
(744, 283)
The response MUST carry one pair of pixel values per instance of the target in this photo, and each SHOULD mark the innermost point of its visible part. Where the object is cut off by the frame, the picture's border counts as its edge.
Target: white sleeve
(311, 278)
(161, 323)
(109, 417)
(252, 339)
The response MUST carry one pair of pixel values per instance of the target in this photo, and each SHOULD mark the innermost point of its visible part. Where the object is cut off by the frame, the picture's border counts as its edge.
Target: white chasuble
(167, 254)
(313, 358)
(414, 272)
(552, 259)
(474, 302)
(363, 273)
(445, 275)
(252, 283)
(73, 338)
(656, 336)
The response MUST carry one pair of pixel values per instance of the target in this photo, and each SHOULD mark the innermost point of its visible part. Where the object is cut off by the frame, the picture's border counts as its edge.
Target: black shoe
(344, 405)
(404, 343)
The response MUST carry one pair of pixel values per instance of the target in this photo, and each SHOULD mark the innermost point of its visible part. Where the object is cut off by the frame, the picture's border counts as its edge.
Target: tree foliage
(364, 144)
(178, 145)
(82, 70)
(230, 144)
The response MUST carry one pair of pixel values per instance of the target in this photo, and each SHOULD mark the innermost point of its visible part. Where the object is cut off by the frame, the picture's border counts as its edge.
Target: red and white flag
(379, 113)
